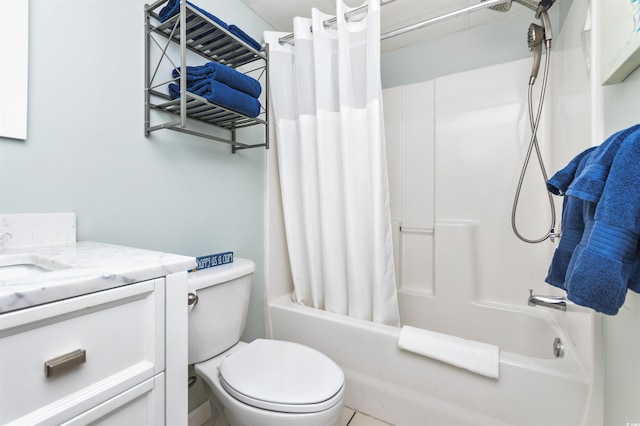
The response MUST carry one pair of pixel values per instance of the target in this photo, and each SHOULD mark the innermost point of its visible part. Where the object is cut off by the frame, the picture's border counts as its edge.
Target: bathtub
(534, 387)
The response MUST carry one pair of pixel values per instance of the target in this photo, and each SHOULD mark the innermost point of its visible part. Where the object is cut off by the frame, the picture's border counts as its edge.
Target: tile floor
(202, 417)
(354, 418)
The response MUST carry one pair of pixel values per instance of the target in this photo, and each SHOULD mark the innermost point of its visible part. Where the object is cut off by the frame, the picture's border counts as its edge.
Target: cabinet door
(141, 405)
(121, 332)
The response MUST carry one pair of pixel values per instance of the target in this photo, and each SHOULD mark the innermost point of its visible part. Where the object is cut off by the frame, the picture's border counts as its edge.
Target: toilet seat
(282, 376)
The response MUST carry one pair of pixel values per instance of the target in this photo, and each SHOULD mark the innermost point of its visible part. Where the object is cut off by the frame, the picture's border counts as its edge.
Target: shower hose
(533, 143)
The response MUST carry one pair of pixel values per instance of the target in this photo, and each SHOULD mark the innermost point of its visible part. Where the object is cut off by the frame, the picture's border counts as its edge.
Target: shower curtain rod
(484, 4)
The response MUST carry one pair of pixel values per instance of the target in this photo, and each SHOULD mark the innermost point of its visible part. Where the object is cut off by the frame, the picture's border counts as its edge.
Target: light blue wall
(86, 151)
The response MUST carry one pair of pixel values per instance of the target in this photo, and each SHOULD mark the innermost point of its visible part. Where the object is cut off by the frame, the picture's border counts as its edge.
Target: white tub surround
(108, 323)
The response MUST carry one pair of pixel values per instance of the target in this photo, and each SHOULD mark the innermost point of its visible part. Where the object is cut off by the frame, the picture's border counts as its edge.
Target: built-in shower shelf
(206, 39)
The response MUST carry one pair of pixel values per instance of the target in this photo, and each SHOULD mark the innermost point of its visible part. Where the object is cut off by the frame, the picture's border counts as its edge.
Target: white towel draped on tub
(477, 357)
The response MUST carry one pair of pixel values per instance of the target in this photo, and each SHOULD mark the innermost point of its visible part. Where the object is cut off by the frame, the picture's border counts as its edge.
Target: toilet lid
(282, 376)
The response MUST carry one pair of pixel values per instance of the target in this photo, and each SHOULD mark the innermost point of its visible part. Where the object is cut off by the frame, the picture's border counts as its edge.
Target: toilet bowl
(265, 382)
(259, 394)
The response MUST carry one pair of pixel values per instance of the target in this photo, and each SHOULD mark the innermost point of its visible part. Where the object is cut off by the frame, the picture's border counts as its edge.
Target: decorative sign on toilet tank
(211, 260)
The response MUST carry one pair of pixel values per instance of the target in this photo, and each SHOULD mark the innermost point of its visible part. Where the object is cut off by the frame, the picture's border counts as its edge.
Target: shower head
(535, 36)
(501, 7)
(506, 6)
(536, 6)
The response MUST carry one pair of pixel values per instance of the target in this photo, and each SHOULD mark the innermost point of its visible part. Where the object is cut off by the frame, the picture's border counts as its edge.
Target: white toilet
(265, 382)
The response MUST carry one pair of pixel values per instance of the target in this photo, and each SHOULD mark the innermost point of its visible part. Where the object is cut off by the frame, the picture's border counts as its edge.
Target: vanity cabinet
(96, 358)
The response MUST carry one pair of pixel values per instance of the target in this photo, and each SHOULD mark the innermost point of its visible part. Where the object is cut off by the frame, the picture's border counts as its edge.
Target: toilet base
(228, 411)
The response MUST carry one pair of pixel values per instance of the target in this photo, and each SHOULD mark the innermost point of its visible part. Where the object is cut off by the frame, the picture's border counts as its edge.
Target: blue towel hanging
(605, 263)
(560, 181)
(572, 218)
(589, 185)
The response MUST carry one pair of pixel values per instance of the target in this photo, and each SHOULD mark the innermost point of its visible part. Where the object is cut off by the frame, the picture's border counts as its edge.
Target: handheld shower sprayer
(534, 42)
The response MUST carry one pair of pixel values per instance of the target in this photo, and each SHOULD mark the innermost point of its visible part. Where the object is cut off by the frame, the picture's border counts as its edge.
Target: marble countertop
(84, 267)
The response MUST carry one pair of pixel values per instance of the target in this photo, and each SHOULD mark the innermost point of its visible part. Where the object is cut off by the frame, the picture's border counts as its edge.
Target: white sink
(13, 266)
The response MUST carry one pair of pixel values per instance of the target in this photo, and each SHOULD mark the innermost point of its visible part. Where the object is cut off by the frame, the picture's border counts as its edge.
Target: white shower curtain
(327, 102)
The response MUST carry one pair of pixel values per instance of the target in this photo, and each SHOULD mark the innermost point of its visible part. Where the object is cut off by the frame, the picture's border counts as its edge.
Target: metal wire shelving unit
(196, 33)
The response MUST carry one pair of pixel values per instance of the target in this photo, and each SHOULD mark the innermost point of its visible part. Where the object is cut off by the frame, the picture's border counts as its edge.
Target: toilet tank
(217, 321)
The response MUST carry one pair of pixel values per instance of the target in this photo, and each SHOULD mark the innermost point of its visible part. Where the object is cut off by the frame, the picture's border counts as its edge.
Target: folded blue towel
(173, 7)
(572, 219)
(223, 95)
(223, 74)
(604, 263)
(590, 183)
(245, 37)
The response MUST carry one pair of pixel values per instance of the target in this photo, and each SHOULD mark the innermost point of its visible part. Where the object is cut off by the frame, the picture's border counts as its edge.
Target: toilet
(265, 382)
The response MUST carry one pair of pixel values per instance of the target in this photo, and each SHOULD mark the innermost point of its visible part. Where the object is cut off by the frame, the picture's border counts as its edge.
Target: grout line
(351, 418)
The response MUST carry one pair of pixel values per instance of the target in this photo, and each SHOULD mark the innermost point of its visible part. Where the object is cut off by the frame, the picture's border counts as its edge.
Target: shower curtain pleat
(326, 96)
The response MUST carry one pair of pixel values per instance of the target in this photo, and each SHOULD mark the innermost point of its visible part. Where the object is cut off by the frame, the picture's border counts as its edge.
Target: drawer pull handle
(64, 362)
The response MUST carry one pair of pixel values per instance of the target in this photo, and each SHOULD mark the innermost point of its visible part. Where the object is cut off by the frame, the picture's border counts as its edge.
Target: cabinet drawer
(120, 332)
(141, 405)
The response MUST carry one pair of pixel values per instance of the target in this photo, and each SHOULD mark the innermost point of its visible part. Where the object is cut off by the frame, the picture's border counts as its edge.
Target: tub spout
(553, 302)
